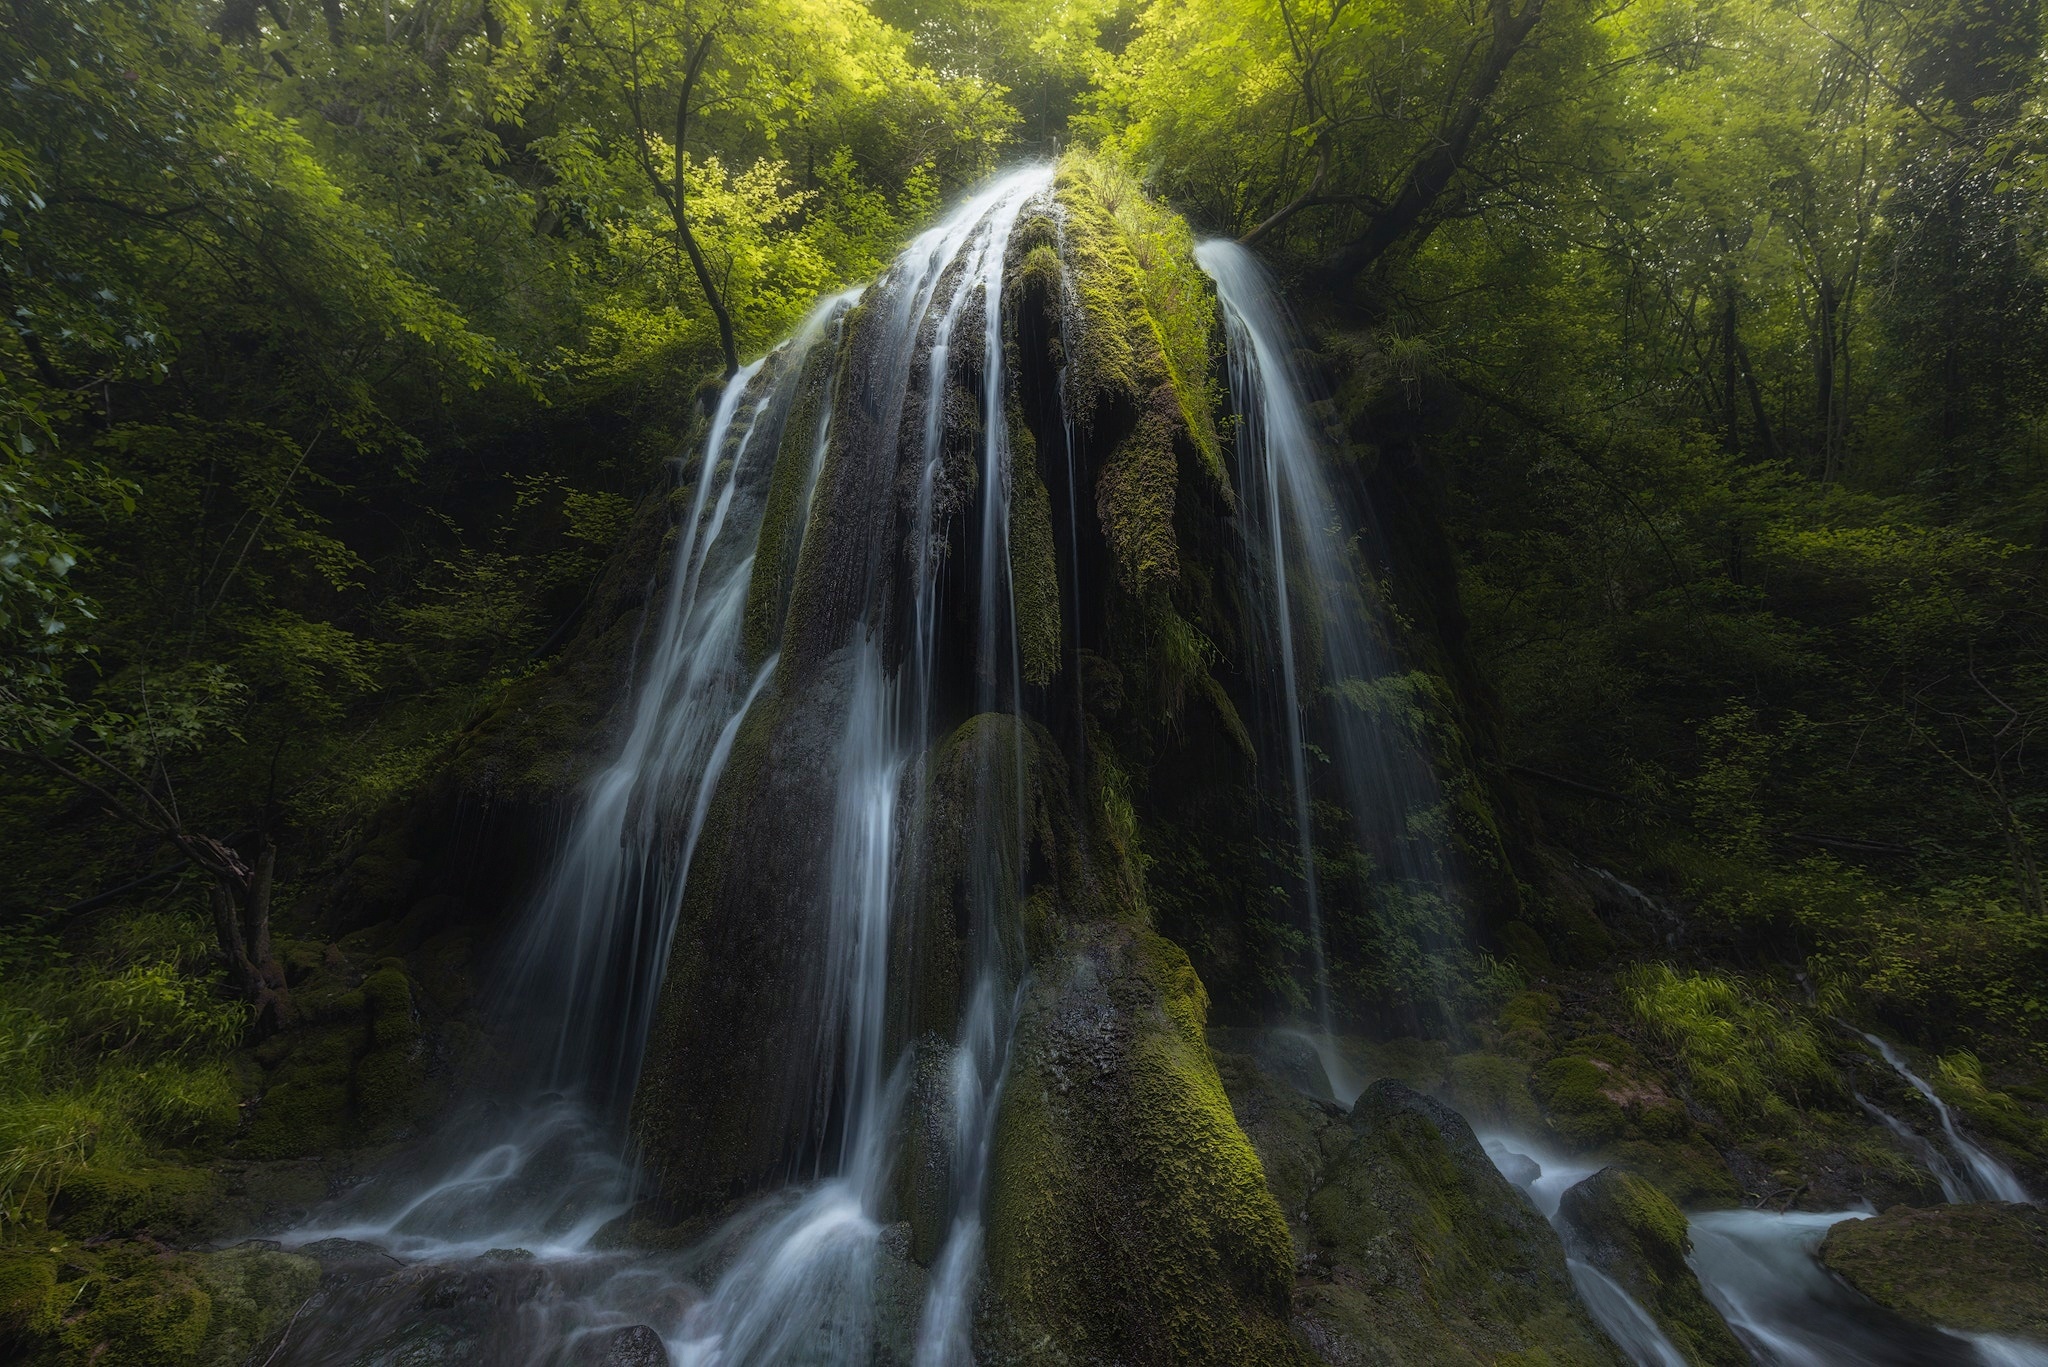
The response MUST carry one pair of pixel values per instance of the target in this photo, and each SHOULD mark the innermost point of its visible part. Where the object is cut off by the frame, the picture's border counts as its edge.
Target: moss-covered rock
(1141, 368)
(28, 1279)
(1982, 1268)
(354, 1072)
(736, 1071)
(1128, 1217)
(1422, 1253)
(105, 1198)
(136, 1301)
(1626, 1227)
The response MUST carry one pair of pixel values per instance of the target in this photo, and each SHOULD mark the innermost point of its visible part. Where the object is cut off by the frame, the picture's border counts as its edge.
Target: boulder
(1980, 1268)
(1629, 1229)
(1129, 1219)
(1420, 1252)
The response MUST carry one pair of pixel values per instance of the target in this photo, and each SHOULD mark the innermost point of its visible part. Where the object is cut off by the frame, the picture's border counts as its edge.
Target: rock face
(1623, 1225)
(1129, 1219)
(1982, 1268)
(1422, 1253)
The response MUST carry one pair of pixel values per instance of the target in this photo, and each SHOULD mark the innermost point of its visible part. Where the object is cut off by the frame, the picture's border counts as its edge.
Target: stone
(1981, 1268)
(1625, 1226)
(634, 1346)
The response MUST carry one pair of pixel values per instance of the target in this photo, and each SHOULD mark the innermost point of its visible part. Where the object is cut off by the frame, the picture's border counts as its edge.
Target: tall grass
(104, 1062)
(1745, 1055)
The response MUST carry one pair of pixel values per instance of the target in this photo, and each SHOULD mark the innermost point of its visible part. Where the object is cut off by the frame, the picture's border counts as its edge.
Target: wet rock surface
(1411, 1247)
(1627, 1228)
(1981, 1268)
(634, 1346)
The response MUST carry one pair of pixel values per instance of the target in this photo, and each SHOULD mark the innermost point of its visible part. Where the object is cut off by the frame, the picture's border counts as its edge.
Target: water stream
(1980, 1177)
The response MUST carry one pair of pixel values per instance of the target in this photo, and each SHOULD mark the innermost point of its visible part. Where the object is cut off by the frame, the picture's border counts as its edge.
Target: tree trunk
(1433, 170)
(726, 339)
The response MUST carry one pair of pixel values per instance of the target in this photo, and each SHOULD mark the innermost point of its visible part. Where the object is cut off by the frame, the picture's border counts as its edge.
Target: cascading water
(577, 990)
(794, 1277)
(1303, 567)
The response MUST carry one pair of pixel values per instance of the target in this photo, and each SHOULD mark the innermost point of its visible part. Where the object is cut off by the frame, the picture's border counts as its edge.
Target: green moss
(108, 1199)
(28, 1280)
(1145, 319)
(141, 1305)
(1574, 1093)
(1981, 1268)
(1129, 1217)
(138, 1302)
(1493, 1090)
(255, 1291)
(355, 1073)
(1629, 1229)
(1034, 566)
(386, 1082)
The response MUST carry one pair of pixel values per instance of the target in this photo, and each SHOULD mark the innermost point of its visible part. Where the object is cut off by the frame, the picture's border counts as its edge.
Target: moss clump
(1129, 1218)
(1979, 1268)
(1145, 317)
(1423, 1254)
(388, 1079)
(1630, 1230)
(1493, 1089)
(28, 1280)
(138, 1302)
(1577, 1101)
(356, 1072)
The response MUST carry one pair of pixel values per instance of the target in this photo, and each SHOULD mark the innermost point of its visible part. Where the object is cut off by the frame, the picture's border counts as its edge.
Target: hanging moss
(1033, 565)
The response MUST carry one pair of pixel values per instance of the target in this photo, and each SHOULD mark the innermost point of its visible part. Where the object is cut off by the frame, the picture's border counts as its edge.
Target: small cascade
(1544, 1178)
(1980, 1176)
(1623, 1317)
(1321, 642)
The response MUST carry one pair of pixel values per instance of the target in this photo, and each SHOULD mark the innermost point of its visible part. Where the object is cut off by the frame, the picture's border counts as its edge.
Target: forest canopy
(1702, 343)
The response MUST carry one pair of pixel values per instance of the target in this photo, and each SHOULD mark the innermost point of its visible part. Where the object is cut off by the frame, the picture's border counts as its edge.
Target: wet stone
(634, 1346)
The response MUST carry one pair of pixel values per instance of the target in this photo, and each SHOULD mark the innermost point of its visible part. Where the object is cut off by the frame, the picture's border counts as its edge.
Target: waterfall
(576, 993)
(1305, 576)
(794, 1277)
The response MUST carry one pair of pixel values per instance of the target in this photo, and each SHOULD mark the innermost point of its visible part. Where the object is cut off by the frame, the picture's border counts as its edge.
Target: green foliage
(1742, 1054)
